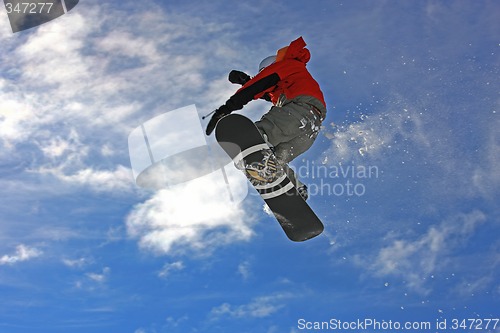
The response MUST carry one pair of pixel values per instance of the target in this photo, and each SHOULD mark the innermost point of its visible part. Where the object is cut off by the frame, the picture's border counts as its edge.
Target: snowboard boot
(265, 171)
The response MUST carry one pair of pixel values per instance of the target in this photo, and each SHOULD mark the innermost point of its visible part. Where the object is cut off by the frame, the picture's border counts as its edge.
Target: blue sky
(412, 92)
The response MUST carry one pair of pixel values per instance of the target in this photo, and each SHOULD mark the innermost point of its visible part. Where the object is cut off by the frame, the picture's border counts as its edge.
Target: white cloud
(58, 54)
(55, 232)
(434, 153)
(119, 179)
(129, 45)
(195, 216)
(259, 307)
(79, 84)
(74, 89)
(23, 253)
(485, 176)
(169, 268)
(56, 146)
(415, 260)
(91, 281)
(15, 115)
(244, 270)
(175, 322)
(475, 286)
(100, 277)
(76, 263)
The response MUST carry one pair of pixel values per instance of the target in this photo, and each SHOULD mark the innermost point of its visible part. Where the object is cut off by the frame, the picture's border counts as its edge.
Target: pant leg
(291, 129)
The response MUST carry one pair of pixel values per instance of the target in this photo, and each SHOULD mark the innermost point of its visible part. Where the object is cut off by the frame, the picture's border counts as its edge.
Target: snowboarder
(293, 122)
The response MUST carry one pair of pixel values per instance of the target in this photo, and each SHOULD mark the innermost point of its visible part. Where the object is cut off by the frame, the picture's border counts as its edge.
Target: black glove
(219, 113)
(238, 77)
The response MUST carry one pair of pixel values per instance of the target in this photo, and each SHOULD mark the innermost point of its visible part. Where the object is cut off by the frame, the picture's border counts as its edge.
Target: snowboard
(242, 141)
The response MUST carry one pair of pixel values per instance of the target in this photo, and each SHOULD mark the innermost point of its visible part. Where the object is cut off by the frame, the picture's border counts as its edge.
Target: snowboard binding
(264, 171)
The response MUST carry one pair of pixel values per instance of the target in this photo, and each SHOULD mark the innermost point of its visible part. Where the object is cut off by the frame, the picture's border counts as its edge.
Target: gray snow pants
(291, 128)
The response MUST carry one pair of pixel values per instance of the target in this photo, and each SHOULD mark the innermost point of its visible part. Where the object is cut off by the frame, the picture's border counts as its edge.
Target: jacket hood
(296, 50)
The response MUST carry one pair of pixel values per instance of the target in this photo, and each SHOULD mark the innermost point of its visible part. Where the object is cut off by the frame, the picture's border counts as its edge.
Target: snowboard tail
(243, 142)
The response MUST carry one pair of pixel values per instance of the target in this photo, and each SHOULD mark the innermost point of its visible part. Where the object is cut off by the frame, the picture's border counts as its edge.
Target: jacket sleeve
(251, 90)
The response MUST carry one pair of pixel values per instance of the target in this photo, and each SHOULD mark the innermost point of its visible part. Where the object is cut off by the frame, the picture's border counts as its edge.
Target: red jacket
(288, 76)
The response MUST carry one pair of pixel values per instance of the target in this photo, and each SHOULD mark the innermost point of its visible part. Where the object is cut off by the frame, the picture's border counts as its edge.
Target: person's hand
(238, 77)
(219, 113)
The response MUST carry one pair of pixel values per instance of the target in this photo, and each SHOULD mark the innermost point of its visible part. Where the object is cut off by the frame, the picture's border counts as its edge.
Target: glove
(238, 77)
(219, 113)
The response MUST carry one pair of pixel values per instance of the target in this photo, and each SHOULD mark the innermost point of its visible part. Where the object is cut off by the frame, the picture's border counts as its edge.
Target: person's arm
(250, 90)
(239, 77)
